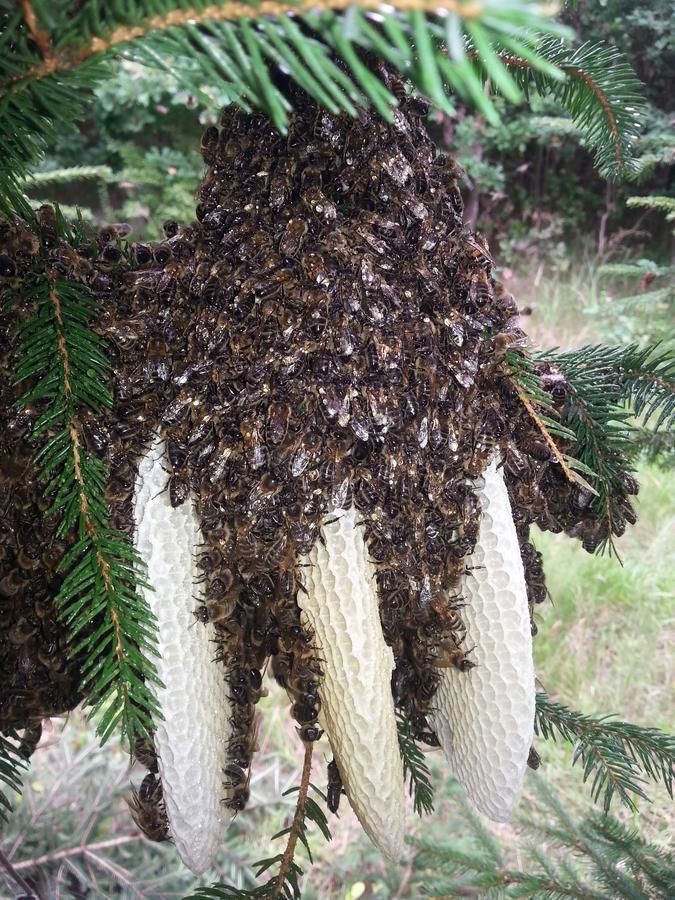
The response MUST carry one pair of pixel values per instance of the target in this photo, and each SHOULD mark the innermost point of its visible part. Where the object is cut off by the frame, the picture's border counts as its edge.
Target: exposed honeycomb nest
(326, 333)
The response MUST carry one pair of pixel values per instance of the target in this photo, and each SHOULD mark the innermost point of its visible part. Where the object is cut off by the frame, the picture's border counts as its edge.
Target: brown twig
(298, 819)
(41, 37)
(77, 851)
(14, 875)
(532, 412)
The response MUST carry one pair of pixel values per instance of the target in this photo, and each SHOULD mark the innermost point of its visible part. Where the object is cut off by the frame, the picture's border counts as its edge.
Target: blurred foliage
(142, 128)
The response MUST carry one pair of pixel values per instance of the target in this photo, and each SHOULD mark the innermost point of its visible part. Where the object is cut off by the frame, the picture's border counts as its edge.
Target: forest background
(562, 237)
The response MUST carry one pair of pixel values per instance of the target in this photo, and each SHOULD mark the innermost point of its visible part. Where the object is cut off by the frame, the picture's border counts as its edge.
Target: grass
(603, 647)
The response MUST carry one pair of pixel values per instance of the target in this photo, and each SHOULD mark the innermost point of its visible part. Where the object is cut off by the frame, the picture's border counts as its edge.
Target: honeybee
(254, 449)
(533, 759)
(147, 809)
(239, 783)
(449, 654)
(209, 145)
(334, 789)
(46, 216)
(293, 237)
(309, 733)
(145, 754)
(30, 739)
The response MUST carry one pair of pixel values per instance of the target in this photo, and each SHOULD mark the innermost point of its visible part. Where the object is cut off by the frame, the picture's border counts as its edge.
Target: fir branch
(12, 767)
(601, 94)
(286, 882)
(414, 764)
(109, 625)
(617, 754)
(66, 175)
(663, 204)
(241, 45)
(603, 383)
(633, 270)
(648, 382)
(601, 424)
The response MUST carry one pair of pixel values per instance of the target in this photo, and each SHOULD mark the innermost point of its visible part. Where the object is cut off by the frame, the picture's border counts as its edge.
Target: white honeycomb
(357, 710)
(191, 741)
(485, 716)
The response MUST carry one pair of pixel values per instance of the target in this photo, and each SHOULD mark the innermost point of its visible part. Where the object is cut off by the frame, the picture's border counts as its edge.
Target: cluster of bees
(327, 333)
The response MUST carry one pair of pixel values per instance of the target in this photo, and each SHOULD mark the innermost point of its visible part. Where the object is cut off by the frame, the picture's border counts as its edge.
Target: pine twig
(65, 366)
(617, 754)
(415, 765)
(296, 827)
(228, 12)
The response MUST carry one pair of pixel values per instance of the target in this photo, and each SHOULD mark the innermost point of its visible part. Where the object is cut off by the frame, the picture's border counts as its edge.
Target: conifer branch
(229, 11)
(322, 48)
(601, 94)
(110, 627)
(617, 754)
(527, 386)
(589, 859)
(286, 881)
(39, 35)
(296, 828)
(603, 384)
(12, 767)
(415, 766)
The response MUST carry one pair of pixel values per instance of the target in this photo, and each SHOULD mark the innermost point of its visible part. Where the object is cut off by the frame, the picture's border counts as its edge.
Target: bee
(113, 232)
(145, 754)
(162, 253)
(449, 654)
(222, 595)
(47, 225)
(334, 789)
(30, 739)
(147, 809)
(533, 759)
(293, 237)
(7, 266)
(254, 449)
(309, 733)
(209, 145)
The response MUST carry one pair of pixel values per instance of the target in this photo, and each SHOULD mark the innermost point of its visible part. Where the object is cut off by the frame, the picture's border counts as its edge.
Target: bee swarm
(325, 341)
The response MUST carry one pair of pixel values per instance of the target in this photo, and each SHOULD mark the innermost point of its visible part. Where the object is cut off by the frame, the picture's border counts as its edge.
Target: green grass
(603, 642)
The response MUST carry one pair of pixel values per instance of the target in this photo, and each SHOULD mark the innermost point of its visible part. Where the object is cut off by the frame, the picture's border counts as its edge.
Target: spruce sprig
(607, 387)
(12, 767)
(286, 882)
(414, 765)
(51, 57)
(110, 626)
(617, 755)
